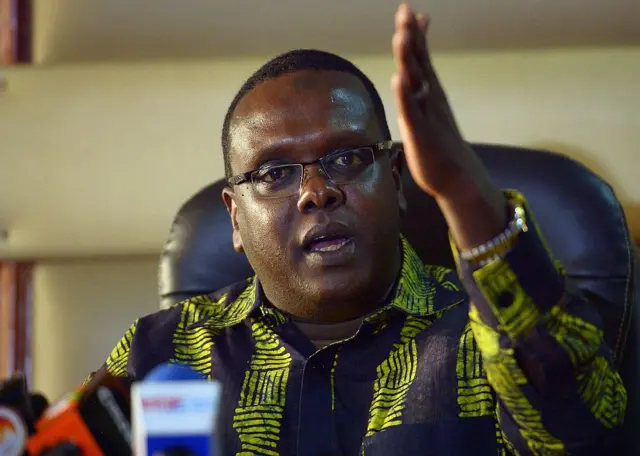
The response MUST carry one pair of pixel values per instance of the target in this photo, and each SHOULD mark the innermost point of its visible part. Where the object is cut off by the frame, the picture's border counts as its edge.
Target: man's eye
(350, 158)
(275, 174)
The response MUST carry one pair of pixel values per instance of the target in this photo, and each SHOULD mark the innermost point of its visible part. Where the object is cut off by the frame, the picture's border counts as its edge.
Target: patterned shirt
(497, 360)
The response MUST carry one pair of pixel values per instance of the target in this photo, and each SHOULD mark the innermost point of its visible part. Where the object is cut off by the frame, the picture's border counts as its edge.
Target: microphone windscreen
(39, 404)
(16, 416)
(169, 372)
(95, 418)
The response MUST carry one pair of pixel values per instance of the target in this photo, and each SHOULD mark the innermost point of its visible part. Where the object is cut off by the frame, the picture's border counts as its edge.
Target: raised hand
(435, 151)
(441, 162)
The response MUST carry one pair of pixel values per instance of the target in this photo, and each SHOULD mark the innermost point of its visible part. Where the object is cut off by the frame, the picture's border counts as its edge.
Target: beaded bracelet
(497, 247)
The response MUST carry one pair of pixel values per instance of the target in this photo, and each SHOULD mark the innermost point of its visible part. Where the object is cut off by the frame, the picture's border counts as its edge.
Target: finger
(409, 112)
(421, 25)
(408, 119)
(423, 22)
(402, 15)
(407, 20)
(406, 62)
(422, 45)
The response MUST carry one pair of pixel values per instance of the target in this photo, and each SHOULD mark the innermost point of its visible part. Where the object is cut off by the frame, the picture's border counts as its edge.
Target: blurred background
(111, 111)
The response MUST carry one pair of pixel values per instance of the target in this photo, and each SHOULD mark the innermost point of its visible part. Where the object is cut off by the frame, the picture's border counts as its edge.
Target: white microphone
(174, 412)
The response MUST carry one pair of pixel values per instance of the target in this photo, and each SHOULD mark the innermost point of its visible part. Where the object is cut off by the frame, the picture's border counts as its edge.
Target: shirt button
(270, 320)
(505, 299)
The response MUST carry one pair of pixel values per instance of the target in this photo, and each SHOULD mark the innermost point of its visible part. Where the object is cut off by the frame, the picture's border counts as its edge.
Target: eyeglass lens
(284, 180)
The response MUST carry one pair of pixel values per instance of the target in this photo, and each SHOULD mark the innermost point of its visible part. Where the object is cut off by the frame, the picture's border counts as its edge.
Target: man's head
(322, 238)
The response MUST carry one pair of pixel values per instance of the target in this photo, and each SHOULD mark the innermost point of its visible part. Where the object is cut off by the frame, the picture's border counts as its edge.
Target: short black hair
(291, 62)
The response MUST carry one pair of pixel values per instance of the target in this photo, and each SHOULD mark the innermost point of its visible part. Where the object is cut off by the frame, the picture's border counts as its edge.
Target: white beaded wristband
(499, 245)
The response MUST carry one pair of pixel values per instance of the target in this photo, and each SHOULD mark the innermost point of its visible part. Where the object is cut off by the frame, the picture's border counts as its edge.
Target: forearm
(557, 390)
(475, 209)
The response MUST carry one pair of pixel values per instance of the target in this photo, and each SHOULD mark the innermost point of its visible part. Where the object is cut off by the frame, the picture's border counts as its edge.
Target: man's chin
(339, 285)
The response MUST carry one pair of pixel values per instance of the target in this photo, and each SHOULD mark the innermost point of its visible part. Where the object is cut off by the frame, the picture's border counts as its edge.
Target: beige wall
(118, 146)
(81, 309)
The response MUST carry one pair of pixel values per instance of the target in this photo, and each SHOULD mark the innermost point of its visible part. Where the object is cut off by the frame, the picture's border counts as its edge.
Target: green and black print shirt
(498, 360)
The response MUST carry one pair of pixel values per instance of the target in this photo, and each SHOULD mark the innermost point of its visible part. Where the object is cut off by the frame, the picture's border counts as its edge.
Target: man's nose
(318, 191)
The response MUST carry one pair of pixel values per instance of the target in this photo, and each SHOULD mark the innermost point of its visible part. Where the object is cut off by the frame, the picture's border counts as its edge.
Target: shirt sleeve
(117, 363)
(543, 350)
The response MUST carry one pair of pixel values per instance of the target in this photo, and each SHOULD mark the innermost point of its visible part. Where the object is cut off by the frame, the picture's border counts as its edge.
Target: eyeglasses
(341, 167)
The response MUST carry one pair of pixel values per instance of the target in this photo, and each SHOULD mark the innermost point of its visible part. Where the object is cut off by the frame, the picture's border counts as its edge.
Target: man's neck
(330, 311)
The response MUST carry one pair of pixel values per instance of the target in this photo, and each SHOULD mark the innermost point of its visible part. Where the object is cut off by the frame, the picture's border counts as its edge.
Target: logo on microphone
(13, 433)
(175, 404)
(161, 403)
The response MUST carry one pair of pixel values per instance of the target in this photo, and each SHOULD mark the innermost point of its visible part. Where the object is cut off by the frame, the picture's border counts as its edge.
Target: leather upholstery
(578, 212)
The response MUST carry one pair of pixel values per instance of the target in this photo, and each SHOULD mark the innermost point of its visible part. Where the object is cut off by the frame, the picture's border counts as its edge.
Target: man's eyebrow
(272, 151)
(350, 138)
(353, 139)
(279, 150)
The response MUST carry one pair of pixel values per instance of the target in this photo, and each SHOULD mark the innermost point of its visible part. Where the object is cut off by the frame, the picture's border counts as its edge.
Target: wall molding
(16, 20)
(16, 318)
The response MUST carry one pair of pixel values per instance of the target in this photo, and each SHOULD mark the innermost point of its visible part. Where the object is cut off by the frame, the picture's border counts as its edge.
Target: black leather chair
(578, 212)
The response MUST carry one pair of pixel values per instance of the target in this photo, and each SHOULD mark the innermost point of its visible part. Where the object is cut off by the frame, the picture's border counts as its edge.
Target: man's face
(354, 255)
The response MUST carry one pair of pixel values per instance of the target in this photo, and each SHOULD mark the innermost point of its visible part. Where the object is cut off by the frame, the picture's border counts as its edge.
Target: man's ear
(397, 167)
(232, 209)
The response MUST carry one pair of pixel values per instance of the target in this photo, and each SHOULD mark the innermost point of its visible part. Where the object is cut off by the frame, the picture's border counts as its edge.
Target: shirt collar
(424, 289)
(421, 290)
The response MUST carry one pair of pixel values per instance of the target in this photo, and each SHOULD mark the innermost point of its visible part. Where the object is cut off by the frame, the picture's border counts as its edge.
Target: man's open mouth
(328, 240)
(324, 244)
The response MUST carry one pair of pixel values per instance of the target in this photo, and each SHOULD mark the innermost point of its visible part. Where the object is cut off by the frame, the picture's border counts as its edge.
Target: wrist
(501, 244)
(475, 209)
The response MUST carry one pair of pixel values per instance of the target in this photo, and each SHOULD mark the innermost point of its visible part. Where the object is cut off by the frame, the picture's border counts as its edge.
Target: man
(345, 343)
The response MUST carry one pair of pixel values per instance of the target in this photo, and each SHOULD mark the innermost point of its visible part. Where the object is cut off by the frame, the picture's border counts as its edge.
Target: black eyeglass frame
(382, 146)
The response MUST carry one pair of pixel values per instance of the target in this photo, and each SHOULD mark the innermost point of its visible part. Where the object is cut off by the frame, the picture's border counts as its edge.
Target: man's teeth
(330, 246)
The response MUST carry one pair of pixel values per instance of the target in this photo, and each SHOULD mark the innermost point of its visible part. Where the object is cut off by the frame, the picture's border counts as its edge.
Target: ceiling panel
(85, 30)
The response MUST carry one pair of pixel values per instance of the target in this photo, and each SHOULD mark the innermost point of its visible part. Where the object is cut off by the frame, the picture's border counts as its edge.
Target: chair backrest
(579, 214)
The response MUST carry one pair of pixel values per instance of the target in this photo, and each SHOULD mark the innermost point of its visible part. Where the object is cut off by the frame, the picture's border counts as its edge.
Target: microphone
(39, 404)
(19, 411)
(15, 415)
(174, 413)
(92, 420)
